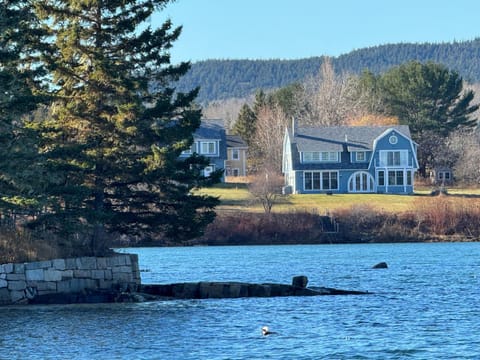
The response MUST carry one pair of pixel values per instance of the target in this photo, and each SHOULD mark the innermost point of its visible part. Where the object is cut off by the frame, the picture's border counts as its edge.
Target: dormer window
(360, 156)
(320, 156)
(208, 148)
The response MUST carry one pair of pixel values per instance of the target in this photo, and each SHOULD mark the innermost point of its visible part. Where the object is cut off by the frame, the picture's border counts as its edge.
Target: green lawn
(235, 197)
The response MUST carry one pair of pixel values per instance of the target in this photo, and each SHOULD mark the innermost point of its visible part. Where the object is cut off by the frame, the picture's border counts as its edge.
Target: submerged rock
(381, 265)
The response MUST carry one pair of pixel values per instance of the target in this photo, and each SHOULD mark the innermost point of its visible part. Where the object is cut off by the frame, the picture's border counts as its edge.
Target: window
(393, 140)
(394, 158)
(321, 180)
(208, 148)
(235, 154)
(236, 172)
(208, 170)
(447, 175)
(381, 178)
(320, 156)
(361, 182)
(360, 156)
(395, 177)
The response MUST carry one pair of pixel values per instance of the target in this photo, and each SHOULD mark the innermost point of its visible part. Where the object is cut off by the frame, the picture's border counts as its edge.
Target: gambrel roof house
(355, 159)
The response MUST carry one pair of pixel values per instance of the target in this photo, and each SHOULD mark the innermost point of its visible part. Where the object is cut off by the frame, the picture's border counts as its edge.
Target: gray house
(361, 159)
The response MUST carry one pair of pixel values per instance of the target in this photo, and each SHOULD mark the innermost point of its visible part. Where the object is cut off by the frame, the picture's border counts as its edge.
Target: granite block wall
(20, 283)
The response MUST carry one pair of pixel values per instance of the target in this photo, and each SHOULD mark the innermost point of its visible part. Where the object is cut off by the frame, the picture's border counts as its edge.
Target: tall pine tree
(111, 147)
(20, 37)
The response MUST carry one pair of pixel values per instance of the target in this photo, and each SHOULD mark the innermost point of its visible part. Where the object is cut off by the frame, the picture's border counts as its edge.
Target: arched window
(361, 181)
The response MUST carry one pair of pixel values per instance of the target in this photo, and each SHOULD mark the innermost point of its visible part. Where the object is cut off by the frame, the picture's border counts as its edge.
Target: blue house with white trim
(349, 159)
(210, 141)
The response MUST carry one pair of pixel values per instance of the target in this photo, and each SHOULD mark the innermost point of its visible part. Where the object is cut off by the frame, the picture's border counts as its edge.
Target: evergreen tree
(112, 144)
(431, 100)
(427, 97)
(245, 124)
(20, 36)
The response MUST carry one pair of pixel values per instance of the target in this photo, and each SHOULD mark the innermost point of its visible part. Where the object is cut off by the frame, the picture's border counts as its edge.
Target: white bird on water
(266, 331)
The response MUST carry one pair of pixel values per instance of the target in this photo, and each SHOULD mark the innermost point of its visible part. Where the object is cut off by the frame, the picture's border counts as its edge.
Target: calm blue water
(425, 306)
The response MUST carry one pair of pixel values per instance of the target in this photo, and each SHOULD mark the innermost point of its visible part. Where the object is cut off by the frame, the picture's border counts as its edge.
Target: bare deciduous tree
(268, 139)
(227, 110)
(266, 188)
(329, 99)
(466, 146)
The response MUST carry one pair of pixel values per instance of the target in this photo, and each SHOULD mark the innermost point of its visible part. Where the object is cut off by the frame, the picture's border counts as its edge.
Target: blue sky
(293, 29)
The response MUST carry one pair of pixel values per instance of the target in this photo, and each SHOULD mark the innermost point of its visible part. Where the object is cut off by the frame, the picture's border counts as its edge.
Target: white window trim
(208, 143)
(383, 158)
(364, 156)
(235, 154)
(321, 180)
(320, 156)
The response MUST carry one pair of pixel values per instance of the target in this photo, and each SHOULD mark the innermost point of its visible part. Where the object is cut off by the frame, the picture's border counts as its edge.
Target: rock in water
(300, 281)
(381, 265)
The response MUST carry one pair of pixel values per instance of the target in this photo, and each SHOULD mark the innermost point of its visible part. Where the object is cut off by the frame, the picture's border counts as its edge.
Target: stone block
(7, 268)
(3, 275)
(63, 286)
(86, 263)
(128, 260)
(70, 264)
(59, 264)
(78, 285)
(5, 296)
(3, 283)
(19, 268)
(98, 274)
(108, 274)
(67, 274)
(82, 274)
(38, 265)
(186, 291)
(49, 286)
(300, 281)
(34, 275)
(15, 277)
(124, 277)
(17, 285)
(105, 284)
(52, 275)
(17, 296)
(257, 290)
(208, 290)
(238, 290)
(101, 263)
(115, 261)
(123, 269)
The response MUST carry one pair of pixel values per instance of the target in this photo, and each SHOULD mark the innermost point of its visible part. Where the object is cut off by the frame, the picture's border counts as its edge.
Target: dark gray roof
(235, 141)
(210, 129)
(334, 138)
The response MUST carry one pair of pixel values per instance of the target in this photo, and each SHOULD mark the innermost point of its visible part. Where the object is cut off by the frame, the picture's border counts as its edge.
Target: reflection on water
(425, 306)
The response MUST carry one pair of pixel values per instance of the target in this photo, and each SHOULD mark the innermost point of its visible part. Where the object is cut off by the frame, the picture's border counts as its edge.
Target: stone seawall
(23, 283)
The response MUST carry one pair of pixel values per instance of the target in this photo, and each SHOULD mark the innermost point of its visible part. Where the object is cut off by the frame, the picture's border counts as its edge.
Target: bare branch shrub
(266, 188)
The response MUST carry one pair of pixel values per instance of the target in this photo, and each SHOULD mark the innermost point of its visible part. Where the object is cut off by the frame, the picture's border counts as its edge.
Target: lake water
(426, 305)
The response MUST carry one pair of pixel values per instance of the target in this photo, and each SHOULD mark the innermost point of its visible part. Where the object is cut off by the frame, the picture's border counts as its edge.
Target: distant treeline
(223, 79)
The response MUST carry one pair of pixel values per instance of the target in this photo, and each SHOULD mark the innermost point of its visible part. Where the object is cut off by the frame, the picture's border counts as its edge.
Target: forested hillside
(223, 79)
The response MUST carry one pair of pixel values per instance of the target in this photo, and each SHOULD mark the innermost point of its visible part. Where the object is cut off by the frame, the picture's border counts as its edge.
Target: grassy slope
(235, 197)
